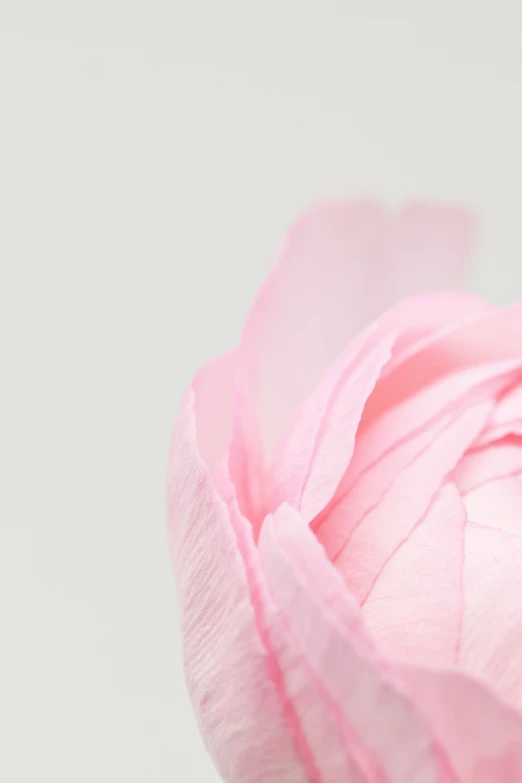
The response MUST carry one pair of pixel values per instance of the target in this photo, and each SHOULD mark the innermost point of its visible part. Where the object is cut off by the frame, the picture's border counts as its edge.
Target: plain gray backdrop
(151, 154)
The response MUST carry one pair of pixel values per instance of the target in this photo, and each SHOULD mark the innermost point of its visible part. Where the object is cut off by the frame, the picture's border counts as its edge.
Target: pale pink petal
(325, 427)
(490, 480)
(498, 503)
(318, 446)
(341, 265)
(368, 490)
(391, 443)
(473, 343)
(318, 729)
(483, 465)
(336, 438)
(411, 414)
(291, 533)
(499, 431)
(414, 609)
(300, 321)
(390, 735)
(429, 248)
(482, 737)
(510, 406)
(492, 623)
(507, 418)
(386, 527)
(339, 268)
(213, 408)
(228, 666)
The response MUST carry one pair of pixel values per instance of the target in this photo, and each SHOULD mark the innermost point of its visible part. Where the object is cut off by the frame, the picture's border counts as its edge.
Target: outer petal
(228, 667)
(341, 265)
(213, 389)
(383, 723)
(429, 248)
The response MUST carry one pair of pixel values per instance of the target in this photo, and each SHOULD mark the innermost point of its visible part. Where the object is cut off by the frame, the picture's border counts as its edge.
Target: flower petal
(429, 248)
(397, 437)
(490, 481)
(414, 609)
(471, 343)
(365, 493)
(498, 503)
(320, 444)
(483, 465)
(482, 737)
(213, 408)
(507, 418)
(388, 525)
(408, 416)
(227, 664)
(342, 265)
(319, 735)
(389, 733)
(492, 620)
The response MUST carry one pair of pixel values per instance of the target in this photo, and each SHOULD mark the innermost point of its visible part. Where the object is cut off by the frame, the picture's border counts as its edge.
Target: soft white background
(151, 154)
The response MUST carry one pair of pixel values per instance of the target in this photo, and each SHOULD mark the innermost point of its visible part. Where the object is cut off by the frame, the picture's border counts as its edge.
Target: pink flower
(345, 512)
